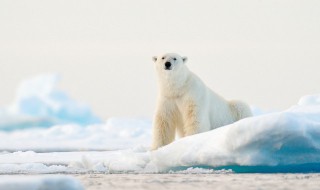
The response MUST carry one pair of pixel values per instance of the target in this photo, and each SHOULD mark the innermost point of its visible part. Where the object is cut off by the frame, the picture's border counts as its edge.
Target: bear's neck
(174, 86)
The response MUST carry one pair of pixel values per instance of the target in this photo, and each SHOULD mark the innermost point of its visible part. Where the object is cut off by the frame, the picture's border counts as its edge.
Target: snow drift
(287, 141)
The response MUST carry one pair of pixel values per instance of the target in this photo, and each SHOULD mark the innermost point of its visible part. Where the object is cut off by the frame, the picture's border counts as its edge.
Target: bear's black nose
(168, 65)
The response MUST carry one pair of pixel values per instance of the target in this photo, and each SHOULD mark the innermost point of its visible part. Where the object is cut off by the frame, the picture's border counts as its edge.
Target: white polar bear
(186, 105)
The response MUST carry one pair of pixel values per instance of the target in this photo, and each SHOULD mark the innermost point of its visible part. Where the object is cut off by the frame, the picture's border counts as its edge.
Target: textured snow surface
(49, 182)
(116, 133)
(204, 181)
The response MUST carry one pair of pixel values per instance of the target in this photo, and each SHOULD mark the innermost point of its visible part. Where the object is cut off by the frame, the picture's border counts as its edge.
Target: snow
(197, 170)
(287, 141)
(289, 138)
(309, 100)
(116, 133)
(203, 181)
(39, 182)
(38, 103)
(44, 131)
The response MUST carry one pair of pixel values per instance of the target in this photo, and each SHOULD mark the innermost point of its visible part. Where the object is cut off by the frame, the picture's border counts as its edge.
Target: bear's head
(172, 73)
(169, 63)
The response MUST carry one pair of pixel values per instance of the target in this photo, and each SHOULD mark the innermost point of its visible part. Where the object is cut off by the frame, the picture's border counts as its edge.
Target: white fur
(186, 105)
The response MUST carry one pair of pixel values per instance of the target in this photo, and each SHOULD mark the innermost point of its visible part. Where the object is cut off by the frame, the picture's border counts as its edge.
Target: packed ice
(39, 103)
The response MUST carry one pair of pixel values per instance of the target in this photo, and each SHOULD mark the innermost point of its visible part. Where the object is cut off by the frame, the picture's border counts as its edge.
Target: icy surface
(287, 141)
(38, 103)
(310, 100)
(287, 138)
(203, 181)
(197, 170)
(52, 182)
(116, 133)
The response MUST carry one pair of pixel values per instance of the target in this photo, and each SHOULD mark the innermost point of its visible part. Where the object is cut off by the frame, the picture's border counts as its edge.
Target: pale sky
(265, 52)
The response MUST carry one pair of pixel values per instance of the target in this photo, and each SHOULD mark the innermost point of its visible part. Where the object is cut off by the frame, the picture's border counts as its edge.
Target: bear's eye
(175, 59)
(162, 57)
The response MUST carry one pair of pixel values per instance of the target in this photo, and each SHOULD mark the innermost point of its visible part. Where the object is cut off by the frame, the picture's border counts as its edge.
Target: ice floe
(38, 103)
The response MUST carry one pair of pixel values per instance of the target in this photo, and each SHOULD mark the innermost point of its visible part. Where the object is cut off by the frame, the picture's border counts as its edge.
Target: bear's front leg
(163, 125)
(191, 119)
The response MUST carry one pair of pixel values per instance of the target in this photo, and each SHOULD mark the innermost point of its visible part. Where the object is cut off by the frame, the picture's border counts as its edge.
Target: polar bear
(185, 105)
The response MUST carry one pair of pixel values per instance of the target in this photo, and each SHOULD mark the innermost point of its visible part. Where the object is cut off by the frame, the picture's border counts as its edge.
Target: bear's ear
(184, 59)
(154, 58)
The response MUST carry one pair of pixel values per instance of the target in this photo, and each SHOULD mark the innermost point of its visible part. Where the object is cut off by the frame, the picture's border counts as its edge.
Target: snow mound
(287, 141)
(52, 182)
(289, 138)
(310, 100)
(38, 103)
